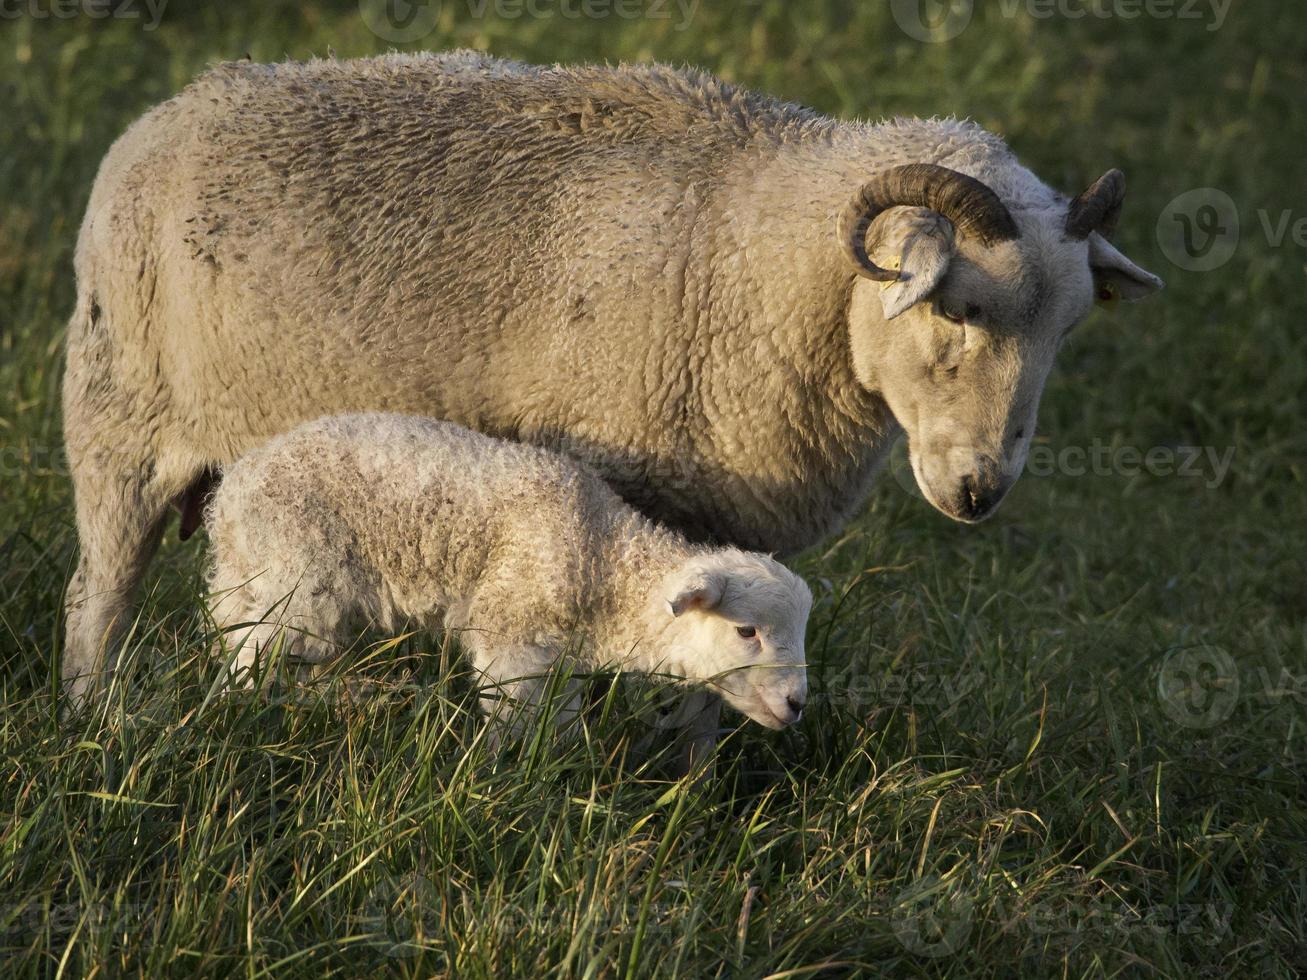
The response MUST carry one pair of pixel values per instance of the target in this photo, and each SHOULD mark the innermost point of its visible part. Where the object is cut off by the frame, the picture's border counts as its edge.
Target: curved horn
(973, 208)
(1098, 208)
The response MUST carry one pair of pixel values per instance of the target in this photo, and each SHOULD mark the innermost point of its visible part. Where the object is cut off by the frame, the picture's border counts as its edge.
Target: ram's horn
(1098, 208)
(973, 208)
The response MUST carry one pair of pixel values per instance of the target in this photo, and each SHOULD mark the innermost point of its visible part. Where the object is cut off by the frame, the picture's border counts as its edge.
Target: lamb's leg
(261, 612)
(697, 741)
(515, 681)
(252, 646)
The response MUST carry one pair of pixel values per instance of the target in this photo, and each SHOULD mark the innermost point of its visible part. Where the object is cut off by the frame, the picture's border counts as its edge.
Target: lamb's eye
(748, 632)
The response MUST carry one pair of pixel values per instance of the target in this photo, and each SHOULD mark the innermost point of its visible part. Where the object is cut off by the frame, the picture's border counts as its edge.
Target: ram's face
(960, 342)
(739, 622)
(962, 368)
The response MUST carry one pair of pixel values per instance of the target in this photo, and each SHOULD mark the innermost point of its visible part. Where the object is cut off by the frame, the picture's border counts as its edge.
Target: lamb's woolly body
(393, 519)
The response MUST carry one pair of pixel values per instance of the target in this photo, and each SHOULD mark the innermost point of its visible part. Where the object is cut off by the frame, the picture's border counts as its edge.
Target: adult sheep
(685, 283)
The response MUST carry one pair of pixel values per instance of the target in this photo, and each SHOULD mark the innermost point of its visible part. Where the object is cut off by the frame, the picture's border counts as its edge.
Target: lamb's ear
(1115, 276)
(698, 589)
(919, 243)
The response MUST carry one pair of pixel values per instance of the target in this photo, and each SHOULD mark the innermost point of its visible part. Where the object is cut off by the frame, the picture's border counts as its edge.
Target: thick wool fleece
(637, 266)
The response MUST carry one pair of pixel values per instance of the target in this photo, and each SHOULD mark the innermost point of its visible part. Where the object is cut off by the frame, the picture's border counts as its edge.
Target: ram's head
(960, 309)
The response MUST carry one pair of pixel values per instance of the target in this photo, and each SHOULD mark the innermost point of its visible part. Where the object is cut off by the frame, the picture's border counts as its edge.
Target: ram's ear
(1115, 276)
(919, 243)
(696, 588)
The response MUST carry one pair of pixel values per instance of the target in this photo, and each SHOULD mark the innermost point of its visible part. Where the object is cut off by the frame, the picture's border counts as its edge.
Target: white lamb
(388, 519)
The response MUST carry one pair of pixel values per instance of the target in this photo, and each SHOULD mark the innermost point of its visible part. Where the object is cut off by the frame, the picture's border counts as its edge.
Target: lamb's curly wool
(390, 519)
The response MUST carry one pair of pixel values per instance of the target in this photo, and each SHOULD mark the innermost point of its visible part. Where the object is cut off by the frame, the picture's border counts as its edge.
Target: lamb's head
(961, 305)
(737, 621)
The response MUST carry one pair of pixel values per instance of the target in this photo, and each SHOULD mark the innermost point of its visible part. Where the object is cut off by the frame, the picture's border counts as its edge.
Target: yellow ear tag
(1108, 296)
(898, 264)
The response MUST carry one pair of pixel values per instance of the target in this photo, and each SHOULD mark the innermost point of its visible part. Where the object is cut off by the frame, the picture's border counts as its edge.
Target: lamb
(729, 306)
(388, 519)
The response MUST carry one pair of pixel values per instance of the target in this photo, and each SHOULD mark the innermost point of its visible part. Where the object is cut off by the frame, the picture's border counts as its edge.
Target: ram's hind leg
(114, 428)
(121, 511)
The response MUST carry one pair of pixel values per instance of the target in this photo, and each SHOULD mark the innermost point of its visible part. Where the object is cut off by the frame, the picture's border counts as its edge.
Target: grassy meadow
(1068, 742)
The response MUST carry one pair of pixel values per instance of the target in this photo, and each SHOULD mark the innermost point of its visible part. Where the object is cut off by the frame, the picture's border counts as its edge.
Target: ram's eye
(748, 632)
(956, 313)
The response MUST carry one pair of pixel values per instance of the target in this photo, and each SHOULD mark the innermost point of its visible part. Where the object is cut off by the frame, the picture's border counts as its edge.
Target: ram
(729, 306)
(367, 519)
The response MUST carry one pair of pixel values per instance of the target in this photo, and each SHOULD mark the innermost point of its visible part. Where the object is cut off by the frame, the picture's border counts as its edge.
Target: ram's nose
(975, 500)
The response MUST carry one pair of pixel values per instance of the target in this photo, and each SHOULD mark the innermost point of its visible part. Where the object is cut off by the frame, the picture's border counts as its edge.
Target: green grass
(996, 776)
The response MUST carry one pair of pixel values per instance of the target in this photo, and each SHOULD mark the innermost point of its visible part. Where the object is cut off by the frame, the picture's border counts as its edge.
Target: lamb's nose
(796, 706)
